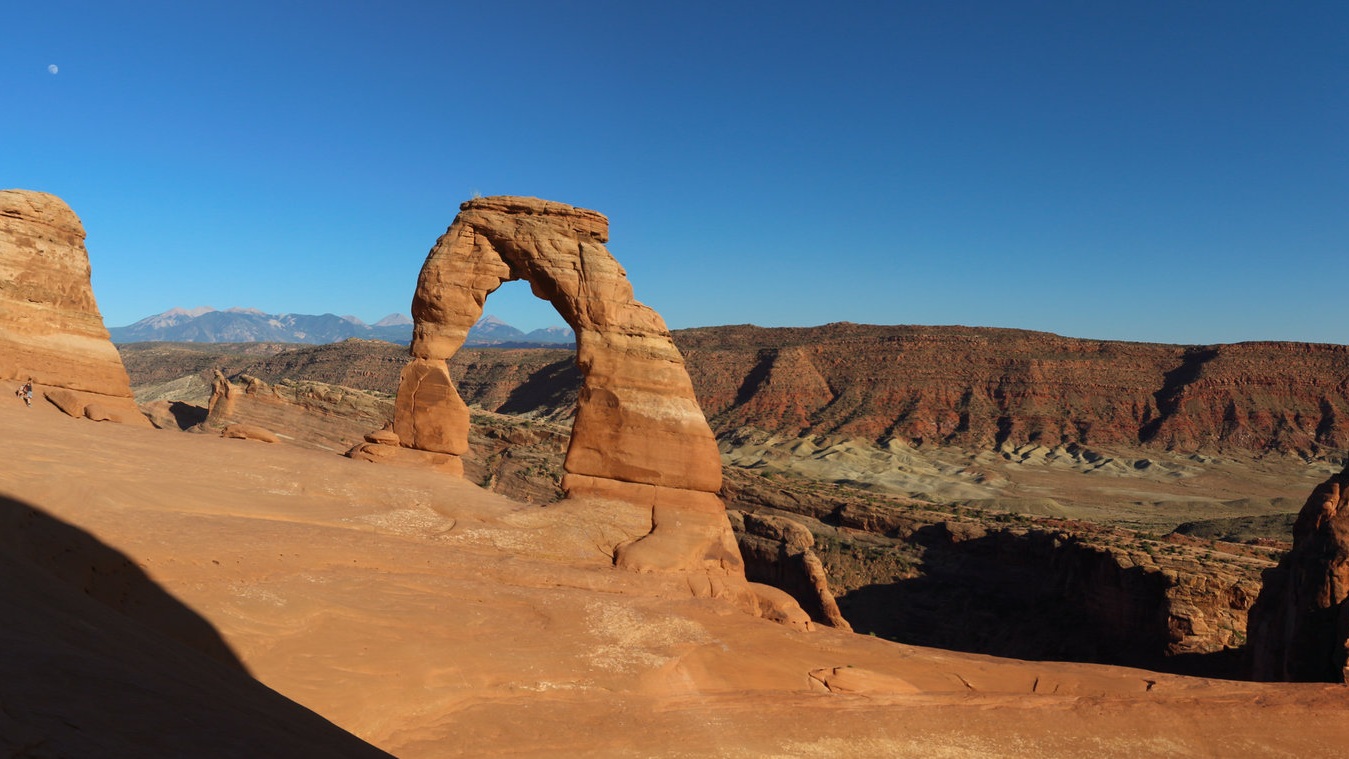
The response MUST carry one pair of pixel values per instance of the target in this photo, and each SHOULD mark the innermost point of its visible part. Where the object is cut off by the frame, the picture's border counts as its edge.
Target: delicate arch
(637, 419)
(639, 434)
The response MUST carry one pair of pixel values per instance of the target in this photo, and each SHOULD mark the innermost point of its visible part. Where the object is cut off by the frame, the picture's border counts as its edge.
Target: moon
(52, 68)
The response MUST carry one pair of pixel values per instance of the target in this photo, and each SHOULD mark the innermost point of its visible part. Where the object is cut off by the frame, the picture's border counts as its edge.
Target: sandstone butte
(50, 327)
(639, 436)
(173, 594)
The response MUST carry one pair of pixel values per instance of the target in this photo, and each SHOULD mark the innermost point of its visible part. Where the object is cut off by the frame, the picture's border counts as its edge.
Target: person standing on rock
(27, 392)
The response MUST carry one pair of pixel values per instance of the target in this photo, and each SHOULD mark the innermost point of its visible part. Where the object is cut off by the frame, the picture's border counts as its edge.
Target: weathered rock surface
(249, 432)
(100, 660)
(308, 414)
(50, 327)
(639, 435)
(1299, 626)
(430, 617)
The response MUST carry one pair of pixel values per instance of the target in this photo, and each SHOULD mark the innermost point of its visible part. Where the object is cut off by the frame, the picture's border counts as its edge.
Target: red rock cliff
(982, 387)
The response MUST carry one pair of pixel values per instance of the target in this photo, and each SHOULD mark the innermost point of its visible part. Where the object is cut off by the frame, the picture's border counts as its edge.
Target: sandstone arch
(639, 435)
(637, 419)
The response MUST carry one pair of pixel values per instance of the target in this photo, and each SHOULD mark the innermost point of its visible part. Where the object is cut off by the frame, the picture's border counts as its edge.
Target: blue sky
(1158, 171)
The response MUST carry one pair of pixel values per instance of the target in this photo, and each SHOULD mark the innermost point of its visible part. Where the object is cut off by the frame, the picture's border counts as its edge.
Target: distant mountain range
(249, 325)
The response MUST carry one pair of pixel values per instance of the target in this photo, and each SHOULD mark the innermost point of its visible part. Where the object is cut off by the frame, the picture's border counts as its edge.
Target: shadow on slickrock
(99, 660)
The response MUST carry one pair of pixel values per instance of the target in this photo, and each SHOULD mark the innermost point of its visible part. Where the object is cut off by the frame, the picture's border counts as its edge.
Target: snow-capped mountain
(247, 325)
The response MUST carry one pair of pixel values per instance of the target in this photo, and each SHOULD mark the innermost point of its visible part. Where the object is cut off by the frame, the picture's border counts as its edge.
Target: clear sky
(1171, 171)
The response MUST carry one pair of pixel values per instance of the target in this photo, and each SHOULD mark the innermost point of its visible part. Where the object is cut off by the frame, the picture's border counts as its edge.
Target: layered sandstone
(1299, 626)
(50, 327)
(637, 419)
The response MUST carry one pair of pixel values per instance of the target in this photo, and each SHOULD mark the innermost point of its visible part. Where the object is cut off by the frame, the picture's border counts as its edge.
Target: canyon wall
(1000, 584)
(973, 387)
(981, 388)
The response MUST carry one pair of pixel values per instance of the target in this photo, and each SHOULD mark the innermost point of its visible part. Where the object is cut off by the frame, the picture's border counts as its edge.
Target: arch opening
(517, 373)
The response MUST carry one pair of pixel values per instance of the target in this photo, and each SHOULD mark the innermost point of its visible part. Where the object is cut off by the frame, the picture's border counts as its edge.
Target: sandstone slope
(434, 619)
(99, 660)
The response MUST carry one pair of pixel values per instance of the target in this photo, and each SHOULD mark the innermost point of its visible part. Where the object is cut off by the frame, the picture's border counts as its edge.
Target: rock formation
(780, 552)
(309, 414)
(637, 420)
(639, 435)
(50, 327)
(1298, 629)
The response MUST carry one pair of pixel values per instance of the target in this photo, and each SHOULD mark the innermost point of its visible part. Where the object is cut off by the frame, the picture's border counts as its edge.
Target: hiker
(27, 392)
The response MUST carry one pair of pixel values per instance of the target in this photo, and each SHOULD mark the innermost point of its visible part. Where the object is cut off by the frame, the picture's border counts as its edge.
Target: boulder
(50, 326)
(397, 455)
(69, 401)
(1298, 629)
(383, 436)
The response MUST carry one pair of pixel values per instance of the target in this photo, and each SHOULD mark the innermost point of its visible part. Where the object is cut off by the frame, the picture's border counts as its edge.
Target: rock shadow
(186, 415)
(548, 390)
(99, 660)
(1169, 396)
(1026, 596)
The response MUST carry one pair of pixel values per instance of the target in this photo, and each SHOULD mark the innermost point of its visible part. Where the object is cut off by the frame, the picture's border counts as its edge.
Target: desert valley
(846, 540)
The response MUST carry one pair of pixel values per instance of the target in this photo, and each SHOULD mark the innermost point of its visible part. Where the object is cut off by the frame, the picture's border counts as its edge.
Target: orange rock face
(639, 434)
(50, 327)
(429, 414)
(1299, 627)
